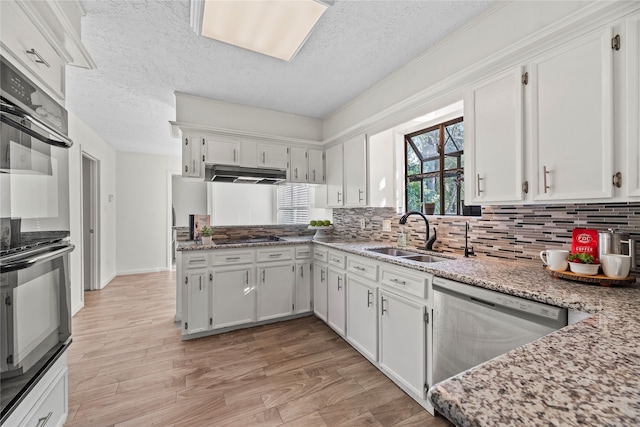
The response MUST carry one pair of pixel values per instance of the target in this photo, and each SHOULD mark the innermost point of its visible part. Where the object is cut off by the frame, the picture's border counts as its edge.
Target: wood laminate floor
(129, 367)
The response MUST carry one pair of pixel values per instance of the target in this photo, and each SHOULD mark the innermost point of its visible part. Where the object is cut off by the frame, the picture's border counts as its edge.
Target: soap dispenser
(403, 238)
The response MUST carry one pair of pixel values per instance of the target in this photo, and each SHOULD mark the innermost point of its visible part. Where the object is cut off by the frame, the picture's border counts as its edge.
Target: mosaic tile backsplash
(506, 232)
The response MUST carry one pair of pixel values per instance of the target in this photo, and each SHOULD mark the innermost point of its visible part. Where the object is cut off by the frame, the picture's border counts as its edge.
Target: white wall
(381, 170)
(143, 211)
(241, 204)
(88, 141)
(188, 197)
(391, 100)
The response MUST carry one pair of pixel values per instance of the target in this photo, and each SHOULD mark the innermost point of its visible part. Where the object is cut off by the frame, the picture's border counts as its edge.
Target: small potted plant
(206, 234)
(583, 263)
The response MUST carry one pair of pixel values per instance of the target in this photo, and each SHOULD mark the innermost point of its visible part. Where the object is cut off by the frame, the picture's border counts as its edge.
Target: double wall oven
(35, 308)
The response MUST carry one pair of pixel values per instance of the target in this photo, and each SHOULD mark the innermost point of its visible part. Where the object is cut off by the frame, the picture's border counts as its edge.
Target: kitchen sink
(413, 256)
(426, 258)
(392, 252)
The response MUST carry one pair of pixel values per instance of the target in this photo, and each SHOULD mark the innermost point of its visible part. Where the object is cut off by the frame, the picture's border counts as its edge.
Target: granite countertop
(587, 373)
(191, 245)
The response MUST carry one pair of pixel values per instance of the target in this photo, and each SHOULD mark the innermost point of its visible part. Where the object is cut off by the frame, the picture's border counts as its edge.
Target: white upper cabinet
(299, 166)
(273, 156)
(335, 188)
(572, 120)
(23, 40)
(632, 149)
(192, 157)
(316, 166)
(355, 171)
(494, 139)
(222, 151)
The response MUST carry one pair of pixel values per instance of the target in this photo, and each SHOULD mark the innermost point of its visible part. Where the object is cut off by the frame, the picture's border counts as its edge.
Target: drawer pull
(39, 58)
(196, 261)
(336, 260)
(43, 421)
(233, 258)
(401, 282)
(369, 295)
(274, 255)
(357, 267)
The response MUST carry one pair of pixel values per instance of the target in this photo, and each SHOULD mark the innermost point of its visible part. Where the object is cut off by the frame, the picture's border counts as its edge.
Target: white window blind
(293, 204)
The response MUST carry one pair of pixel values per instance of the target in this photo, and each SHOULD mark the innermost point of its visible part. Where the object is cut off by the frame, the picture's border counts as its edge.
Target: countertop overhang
(587, 373)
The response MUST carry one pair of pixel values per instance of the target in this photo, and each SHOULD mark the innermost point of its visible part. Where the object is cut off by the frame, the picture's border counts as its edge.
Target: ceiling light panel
(276, 28)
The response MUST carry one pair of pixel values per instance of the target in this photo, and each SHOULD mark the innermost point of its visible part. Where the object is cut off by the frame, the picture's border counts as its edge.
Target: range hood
(244, 175)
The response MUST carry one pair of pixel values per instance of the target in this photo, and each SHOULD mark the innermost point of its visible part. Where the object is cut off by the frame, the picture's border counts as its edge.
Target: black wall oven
(35, 306)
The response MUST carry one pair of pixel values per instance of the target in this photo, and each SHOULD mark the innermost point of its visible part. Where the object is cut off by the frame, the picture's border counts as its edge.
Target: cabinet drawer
(303, 252)
(196, 260)
(19, 35)
(52, 407)
(405, 280)
(362, 267)
(232, 257)
(320, 254)
(274, 254)
(337, 259)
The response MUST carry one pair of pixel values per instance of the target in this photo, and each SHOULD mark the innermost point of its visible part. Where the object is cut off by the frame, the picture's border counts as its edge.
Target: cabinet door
(403, 341)
(298, 169)
(197, 299)
(222, 151)
(336, 310)
(192, 158)
(633, 107)
(273, 156)
(316, 166)
(572, 113)
(320, 291)
(494, 128)
(362, 317)
(275, 291)
(234, 298)
(335, 191)
(303, 287)
(355, 174)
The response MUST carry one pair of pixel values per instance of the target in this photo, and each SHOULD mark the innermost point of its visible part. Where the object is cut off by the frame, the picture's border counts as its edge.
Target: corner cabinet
(347, 182)
(193, 156)
(494, 121)
(632, 149)
(572, 120)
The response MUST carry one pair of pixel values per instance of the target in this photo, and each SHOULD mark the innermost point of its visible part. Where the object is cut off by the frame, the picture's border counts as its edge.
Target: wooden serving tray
(598, 279)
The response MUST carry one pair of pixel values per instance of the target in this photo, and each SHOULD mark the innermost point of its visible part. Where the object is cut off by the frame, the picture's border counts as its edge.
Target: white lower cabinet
(403, 341)
(233, 301)
(320, 291)
(47, 403)
(362, 317)
(303, 287)
(336, 301)
(275, 290)
(196, 319)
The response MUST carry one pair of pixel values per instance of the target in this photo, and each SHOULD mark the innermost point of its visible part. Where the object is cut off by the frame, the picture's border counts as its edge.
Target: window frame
(441, 172)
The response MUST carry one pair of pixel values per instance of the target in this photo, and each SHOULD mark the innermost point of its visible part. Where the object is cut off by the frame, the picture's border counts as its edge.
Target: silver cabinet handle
(369, 295)
(322, 275)
(194, 164)
(233, 258)
(360, 193)
(314, 175)
(339, 197)
(296, 172)
(478, 186)
(234, 156)
(302, 271)
(43, 421)
(200, 279)
(264, 157)
(274, 255)
(402, 282)
(339, 280)
(382, 309)
(246, 277)
(545, 172)
(357, 267)
(263, 275)
(39, 58)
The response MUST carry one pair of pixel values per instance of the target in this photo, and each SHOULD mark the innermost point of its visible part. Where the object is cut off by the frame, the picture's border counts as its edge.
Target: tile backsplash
(507, 232)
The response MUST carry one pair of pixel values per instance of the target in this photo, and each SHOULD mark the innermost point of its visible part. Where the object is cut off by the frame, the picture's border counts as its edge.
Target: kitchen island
(587, 373)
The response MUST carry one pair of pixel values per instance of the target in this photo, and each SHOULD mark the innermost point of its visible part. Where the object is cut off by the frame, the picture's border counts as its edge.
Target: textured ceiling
(146, 50)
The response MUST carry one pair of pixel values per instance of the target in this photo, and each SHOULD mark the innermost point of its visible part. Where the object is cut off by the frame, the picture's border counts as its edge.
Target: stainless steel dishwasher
(472, 325)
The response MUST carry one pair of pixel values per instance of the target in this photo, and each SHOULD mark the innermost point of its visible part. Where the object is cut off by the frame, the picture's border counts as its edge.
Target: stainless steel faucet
(428, 245)
(467, 251)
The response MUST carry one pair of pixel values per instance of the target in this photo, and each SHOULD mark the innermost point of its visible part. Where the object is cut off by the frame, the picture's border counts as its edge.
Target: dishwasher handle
(482, 302)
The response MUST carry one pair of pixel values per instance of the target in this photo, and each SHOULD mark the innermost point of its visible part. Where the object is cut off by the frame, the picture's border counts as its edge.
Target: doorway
(90, 222)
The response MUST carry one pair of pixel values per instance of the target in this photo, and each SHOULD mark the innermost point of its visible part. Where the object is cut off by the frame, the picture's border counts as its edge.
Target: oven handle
(8, 109)
(38, 259)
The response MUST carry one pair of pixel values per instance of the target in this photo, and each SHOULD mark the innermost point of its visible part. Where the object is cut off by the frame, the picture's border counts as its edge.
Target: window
(293, 204)
(434, 169)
